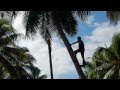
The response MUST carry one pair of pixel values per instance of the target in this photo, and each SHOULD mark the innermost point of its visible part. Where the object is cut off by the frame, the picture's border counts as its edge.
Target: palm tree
(13, 59)
(62, 22)
(106, 61)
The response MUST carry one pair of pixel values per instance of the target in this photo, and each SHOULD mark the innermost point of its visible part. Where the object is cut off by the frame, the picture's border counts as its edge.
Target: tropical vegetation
(105, 61)
(15, 62)
(61, 23)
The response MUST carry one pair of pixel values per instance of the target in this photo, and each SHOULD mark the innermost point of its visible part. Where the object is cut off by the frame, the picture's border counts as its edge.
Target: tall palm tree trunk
(50, 58)
(72, 55)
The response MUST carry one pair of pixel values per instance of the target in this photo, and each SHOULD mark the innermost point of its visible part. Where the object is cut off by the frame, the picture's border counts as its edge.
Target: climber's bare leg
(76, 51)
(82, 54)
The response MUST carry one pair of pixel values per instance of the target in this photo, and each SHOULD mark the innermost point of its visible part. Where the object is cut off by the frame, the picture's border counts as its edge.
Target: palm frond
(34, 72)
(89, 65)
(20, 54)
(32, 19)
(114, 16)
(65, 20)
(9, 66)
(9, 57)
(6, 41)
(4, 22)
(13, 57)
(43, 77)
(109, 74)
(11, 14)
(5, 31)
(83, 15)
(116, 44)
(100, 69)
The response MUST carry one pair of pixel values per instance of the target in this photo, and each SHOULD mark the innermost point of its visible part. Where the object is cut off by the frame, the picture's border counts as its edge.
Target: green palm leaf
(99, 70)
(9, 66)
(12, 57)
(109, 74)
(116, 44)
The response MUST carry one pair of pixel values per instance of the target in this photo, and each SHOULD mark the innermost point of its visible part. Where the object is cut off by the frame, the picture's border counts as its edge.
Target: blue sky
(86, 29)
(96, 32)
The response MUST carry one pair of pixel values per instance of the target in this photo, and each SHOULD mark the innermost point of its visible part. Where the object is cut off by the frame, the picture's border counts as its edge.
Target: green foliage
(116, 44)
(106, 61)
(50, 22)
(15, 62)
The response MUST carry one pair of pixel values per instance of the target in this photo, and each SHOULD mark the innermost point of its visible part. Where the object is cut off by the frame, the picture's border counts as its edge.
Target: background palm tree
(14, 60)
(105, 61)
(62, 22)
(50, 57)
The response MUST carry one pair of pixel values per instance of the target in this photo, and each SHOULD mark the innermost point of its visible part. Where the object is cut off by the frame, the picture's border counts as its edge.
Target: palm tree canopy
(106, 61)
(48, 22)
(13, 58)
(116, 44)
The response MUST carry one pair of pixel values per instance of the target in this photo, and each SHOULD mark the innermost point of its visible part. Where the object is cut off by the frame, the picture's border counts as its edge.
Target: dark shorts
(80, 50)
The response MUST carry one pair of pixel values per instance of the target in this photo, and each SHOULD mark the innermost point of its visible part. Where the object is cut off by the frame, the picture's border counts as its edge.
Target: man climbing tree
(81, 49)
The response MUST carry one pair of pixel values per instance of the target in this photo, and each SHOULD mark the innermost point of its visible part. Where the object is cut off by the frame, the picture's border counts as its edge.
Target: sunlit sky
(96, 31)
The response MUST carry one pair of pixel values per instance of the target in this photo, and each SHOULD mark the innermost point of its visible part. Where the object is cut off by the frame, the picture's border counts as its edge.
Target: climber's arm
(74, 43)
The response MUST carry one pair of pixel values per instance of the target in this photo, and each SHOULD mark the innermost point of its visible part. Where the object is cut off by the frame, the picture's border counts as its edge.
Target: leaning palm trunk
(50, 58)
(72, 55)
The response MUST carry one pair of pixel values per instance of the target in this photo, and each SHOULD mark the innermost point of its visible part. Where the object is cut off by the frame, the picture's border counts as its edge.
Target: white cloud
(18, 23)
(90, 19)
(100, 36)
